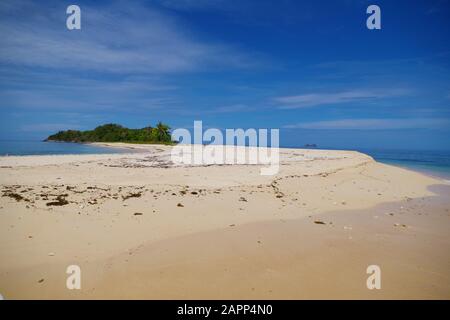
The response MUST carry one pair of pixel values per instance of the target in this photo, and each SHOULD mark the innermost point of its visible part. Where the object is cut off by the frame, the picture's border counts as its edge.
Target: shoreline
(143, 148)
(437, 174)
(133, 221)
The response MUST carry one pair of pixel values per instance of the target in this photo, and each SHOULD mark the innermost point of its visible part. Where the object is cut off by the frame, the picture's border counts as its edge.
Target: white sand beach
(141, 227)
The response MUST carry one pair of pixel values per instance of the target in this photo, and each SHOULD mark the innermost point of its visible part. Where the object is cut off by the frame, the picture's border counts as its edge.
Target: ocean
(431, 162)
(30, 147)
(435, 163)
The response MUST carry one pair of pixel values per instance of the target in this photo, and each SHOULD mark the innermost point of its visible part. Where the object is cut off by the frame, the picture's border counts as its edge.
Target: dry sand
(141, 227)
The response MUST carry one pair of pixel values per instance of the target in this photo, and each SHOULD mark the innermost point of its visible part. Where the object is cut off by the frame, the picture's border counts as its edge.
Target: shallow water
(432, 162)
(9, 147)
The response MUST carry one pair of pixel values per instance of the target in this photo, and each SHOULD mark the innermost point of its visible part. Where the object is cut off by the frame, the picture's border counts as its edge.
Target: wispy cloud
(373, 124)
(131, 38)
(49, 91)
(317, 99)
(232, 108)
(48, 127)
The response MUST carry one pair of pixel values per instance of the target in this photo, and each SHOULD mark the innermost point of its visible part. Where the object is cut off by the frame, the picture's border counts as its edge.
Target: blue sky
(310, 68)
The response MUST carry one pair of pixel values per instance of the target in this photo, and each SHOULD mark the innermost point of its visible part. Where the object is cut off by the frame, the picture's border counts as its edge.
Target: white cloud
(316, 99)
(125, 38)
(373, 124)
(41, 91)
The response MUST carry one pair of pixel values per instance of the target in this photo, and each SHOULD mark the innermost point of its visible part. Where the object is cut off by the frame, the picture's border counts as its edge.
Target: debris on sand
(138, 213)
(60, 201)
(15, 196)
(319, 222)
(242, 199)
(400, 225)
(180, 205)
(132, 195)
(41, 280)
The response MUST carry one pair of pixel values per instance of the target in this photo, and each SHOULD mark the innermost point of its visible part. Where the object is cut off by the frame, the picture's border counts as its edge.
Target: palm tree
(163, 131)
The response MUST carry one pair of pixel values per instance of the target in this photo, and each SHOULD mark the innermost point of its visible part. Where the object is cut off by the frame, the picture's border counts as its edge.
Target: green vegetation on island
(116, 133)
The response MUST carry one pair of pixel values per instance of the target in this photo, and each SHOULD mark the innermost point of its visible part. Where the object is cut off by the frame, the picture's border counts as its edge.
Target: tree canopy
(116, 133)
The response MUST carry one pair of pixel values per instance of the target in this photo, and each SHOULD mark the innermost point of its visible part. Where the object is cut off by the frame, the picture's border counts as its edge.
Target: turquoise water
(432, 162)
(8, 147)
(436, 163)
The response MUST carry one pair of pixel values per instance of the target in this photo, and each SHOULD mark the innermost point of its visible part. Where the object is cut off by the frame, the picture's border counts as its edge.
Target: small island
(160, 134)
